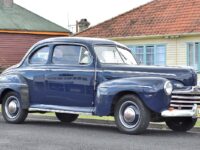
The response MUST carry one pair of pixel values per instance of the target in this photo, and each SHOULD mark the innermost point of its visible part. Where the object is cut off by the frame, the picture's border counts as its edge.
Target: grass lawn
(96, 117)
(198, 123)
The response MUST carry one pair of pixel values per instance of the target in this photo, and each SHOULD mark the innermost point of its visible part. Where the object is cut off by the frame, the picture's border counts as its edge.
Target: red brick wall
(14, 46)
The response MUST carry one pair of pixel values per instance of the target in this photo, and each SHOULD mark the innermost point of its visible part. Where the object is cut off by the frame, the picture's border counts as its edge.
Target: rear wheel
(131, 116)
(181, 124)
(12, 109)
(67, 118)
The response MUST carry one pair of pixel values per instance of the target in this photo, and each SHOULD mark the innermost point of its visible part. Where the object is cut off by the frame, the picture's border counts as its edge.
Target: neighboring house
(20, 29)
(162, 32)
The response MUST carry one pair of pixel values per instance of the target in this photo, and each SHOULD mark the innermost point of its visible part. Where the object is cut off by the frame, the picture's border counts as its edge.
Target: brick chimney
(82, 25)
(6, 3)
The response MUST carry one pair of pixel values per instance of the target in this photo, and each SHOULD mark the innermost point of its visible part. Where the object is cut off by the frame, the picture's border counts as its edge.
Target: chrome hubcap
(12, 107)
(129, 114)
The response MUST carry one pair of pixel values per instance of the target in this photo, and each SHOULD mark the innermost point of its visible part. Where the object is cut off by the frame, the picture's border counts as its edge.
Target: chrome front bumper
(194, 112)
(184, 103)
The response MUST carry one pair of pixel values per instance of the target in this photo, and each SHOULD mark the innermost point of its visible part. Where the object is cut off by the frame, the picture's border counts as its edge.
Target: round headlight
(168, 87)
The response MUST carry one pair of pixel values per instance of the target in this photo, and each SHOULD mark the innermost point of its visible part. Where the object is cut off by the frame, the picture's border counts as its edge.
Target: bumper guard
(194, 112)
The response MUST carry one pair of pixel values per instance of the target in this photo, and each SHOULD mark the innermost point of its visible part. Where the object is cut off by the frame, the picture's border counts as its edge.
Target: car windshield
(114, 55)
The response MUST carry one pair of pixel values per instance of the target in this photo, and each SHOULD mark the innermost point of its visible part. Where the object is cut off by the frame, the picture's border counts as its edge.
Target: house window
(150, 54)
(193, 54)
(139, 53)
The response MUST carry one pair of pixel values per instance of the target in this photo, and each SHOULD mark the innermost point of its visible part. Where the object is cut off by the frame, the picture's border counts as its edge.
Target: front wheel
(12, 109)
(181, 124)
(66, 118)
(131, 116)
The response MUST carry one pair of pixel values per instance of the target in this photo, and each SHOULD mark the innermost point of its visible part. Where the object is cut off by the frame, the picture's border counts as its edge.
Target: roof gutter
(35, 32)
(166, 36)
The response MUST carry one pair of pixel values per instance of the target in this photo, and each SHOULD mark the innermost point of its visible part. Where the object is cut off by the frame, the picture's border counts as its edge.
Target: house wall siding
(14, 46)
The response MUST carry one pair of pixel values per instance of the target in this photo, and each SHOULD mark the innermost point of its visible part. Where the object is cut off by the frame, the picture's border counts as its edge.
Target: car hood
(185, 75)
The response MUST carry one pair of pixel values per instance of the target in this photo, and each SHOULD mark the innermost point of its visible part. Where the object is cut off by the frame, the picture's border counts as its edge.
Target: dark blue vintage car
(72, 76)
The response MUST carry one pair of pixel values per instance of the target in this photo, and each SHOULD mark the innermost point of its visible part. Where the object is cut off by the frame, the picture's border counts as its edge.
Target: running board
(62, 109)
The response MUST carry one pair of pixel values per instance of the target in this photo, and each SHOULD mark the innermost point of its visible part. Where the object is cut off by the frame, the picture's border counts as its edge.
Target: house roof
(20, 19)
(158, 17)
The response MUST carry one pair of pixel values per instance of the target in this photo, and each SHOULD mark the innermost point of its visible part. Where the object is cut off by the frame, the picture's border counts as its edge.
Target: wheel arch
(120, 94)
(4, 92)
(16, 83)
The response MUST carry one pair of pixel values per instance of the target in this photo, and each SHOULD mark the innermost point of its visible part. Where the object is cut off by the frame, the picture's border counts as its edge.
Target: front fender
(15, 83)
(149, 89)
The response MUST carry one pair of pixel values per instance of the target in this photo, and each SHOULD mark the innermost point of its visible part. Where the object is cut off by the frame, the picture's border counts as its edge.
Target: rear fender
(15, 83)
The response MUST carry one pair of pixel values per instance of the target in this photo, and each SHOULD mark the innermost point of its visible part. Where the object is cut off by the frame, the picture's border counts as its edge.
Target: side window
(40, 56)
(71, 55)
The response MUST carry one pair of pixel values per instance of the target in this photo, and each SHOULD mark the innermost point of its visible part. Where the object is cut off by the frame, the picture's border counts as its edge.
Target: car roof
(82, 40)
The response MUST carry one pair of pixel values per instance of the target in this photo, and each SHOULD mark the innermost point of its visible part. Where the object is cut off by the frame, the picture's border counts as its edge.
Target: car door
(70, 80)
(34, 70)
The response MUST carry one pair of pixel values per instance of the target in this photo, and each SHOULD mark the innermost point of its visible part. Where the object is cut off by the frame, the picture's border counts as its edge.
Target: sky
(66, 12)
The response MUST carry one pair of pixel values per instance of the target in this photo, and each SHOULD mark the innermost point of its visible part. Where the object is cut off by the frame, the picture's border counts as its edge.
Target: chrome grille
(181, 100)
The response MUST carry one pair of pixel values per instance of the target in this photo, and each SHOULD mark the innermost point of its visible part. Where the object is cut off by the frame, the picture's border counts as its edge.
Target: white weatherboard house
(162, 32)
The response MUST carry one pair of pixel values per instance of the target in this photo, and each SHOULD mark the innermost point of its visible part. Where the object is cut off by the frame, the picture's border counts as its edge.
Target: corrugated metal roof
(19, 18)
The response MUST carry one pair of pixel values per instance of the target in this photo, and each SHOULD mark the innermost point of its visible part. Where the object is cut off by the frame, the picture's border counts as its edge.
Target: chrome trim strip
(182, 101)
(137, 72)
(62, 109)
(193, 90)
(57, 69)
(58, 111)
(178, 105)
(186, 97)
(142, 86)
(181, 113)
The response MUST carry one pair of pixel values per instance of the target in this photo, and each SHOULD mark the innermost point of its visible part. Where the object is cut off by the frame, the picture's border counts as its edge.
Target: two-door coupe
(72, 76)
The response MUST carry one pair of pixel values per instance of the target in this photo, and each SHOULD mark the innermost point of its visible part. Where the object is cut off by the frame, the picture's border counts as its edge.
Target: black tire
(181, 124)
(66, 118)
(12, 108)
(137, 115)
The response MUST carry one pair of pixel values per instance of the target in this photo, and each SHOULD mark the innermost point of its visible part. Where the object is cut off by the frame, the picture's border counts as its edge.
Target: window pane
(70, 54)
(160, 55)
(40, 56)
(132, 49)
(196, 55)
(150, 55)
(139, 54)
(127, 56)
(108, 54)
(190, 53)
(84, 56)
